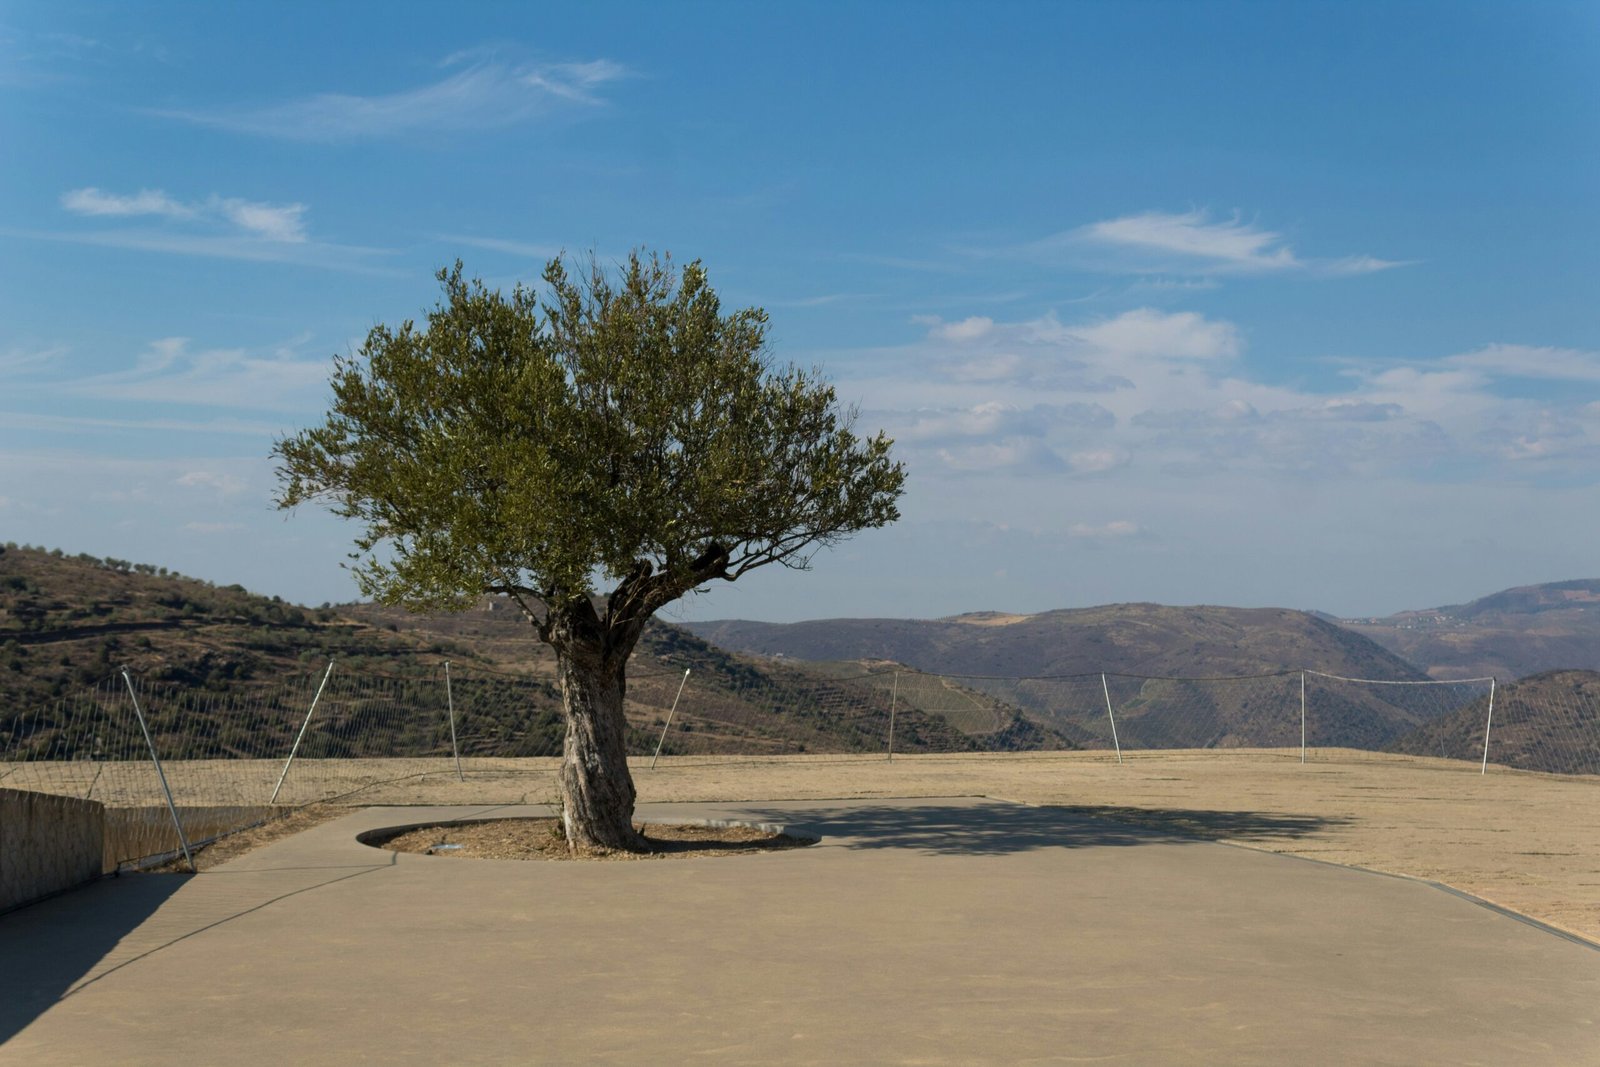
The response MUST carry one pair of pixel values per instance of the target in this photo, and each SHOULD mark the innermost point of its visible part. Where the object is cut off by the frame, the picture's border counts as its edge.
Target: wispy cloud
(169, 371)
(355, 259)
(269, 222)
(1528, 361)
(1233, 244)
(526, 249)
(221, 227)
(92, 201)
(484, 92)
(19, 360)
(1192, 243)
(75, 425)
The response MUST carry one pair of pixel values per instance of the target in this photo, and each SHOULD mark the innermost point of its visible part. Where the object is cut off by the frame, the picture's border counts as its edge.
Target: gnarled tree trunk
(597, 792)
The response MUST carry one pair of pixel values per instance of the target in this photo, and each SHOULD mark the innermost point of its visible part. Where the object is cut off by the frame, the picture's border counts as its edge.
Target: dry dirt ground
(1528, 842)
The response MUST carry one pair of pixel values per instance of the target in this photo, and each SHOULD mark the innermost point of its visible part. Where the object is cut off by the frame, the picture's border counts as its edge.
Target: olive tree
(592, 450)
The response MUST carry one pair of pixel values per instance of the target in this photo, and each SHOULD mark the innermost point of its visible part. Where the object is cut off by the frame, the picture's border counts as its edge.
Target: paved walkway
(927, 931)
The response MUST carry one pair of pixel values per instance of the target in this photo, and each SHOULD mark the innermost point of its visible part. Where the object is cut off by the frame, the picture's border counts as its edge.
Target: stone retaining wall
(47, 843)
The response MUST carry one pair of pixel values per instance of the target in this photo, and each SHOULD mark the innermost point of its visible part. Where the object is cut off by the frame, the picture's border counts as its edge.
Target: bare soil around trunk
(542, 839)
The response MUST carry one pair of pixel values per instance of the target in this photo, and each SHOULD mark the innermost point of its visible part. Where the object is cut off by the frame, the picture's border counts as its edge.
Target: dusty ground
(1529, 842)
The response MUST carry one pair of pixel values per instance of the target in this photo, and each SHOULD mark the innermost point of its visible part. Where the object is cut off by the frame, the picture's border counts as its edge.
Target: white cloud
(485, 93)
(1234, 244)
(211, 528)
(255, 219)
(1528, 361)
(992, 419)
(92, 201)
(1192, 243)
(1177, 399)
(970, 329)
(1015, 455)
(574, 81)
(998, 366)
(1146, 332)
(272, 222)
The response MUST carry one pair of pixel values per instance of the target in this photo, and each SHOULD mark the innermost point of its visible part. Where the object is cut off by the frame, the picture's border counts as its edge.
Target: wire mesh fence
(233, 756)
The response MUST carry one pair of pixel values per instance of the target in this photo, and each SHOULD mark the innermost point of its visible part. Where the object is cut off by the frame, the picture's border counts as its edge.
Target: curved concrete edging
(1498, 909)
(380, 836)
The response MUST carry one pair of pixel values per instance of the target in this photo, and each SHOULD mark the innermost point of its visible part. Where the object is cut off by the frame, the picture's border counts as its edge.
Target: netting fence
(230, 758)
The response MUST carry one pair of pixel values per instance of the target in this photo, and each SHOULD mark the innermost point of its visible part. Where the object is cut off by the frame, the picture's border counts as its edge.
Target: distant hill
(1145, 639)
(1548, 722)
(70, 623)
(1511, 634)
(990, 651)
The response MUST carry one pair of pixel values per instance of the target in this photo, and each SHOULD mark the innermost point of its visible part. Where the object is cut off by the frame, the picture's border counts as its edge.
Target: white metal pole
(450, 705)
(1487, 724)
(670, 712)
(161, 774)
(1106, 689)
(301, 735)
(894, 698)
(1302, 716)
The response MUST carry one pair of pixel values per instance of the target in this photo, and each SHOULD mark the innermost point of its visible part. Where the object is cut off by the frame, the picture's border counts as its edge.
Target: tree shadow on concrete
(1002, 828)
(49, 946)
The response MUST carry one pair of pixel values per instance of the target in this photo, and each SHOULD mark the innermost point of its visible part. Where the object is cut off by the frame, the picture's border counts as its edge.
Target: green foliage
(624, 428)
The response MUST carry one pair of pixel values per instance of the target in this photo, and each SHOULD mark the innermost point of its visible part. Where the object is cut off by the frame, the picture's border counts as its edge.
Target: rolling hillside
(1549, 722)
(1142, 639)
(1049, 665)
(68, 624)
(1510, 634)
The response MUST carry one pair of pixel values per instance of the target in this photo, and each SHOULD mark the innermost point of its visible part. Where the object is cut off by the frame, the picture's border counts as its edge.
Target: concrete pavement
(922, 931)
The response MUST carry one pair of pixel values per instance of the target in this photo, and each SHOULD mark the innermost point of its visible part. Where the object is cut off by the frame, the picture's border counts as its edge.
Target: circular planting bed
(542, 839)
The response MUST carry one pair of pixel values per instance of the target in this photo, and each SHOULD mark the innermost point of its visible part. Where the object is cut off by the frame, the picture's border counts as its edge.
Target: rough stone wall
(47, 843)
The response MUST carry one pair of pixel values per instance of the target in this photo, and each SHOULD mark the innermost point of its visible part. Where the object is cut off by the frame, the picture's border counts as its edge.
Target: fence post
(183, 838)
(1487, 724)
(1106, 689)
(450, 706)
(670, 713)
(894, 698)
(1302, 716)
(301, 735)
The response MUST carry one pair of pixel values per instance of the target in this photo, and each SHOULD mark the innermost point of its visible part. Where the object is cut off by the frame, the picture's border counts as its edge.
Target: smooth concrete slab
(925, 932)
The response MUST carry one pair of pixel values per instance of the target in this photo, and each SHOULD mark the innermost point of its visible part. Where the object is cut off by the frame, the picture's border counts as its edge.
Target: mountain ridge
(1513, 633)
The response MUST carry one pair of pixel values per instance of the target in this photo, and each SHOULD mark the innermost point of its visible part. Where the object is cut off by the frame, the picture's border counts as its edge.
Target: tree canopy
(612, 428)
(618, 436)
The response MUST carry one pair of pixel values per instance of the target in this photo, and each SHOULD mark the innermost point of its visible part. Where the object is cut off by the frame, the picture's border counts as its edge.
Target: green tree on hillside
(593, 454)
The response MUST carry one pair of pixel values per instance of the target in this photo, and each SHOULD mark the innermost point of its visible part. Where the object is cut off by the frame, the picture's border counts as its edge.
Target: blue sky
(1287, 304)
